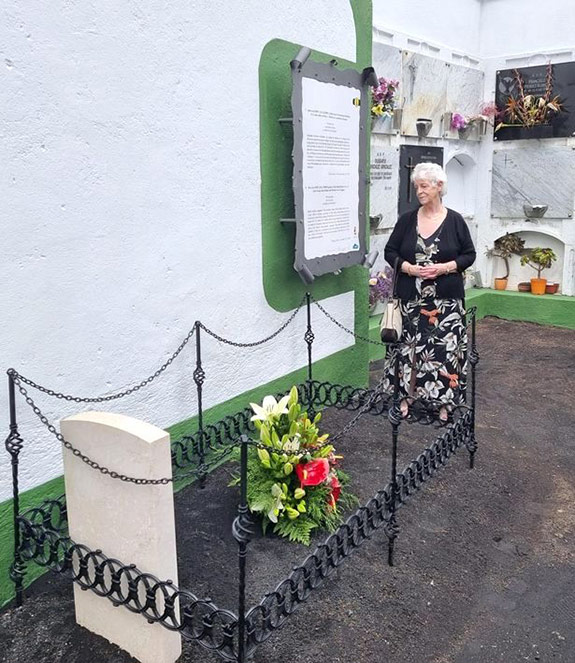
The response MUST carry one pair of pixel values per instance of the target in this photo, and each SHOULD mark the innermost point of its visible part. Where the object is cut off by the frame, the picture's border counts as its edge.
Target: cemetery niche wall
(525, 87)
(430, 88)
(330, 114)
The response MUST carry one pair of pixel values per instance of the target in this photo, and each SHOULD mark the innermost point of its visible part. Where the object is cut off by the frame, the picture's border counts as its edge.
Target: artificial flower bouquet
(487, 114)
(529, 110)
(380, 286)
(294, 481)
(384, 97)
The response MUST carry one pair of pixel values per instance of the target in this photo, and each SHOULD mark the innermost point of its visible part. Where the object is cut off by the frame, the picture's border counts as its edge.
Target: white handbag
(390, 327)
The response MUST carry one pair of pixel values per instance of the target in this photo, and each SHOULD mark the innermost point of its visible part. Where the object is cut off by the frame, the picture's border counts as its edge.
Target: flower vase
(464, 133)
(381, 124)
(423, 126)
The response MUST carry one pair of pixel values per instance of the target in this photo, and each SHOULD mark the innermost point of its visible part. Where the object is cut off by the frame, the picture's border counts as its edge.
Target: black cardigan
(455, 244)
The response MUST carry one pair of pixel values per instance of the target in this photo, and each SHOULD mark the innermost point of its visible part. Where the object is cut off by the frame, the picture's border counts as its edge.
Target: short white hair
(432, 172)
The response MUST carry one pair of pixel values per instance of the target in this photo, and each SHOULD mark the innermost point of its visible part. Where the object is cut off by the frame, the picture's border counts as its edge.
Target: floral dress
(433, 344)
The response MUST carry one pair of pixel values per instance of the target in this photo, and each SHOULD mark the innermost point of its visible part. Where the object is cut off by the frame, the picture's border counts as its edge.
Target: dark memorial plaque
(409, 157)
(534, 82)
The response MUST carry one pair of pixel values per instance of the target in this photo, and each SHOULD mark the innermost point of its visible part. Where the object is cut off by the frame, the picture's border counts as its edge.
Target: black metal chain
(101, 468)
(471, 313)
(129, 479)
(345, 329)
(112, 397)
(365, 408)
(253, 344)
(143, 383)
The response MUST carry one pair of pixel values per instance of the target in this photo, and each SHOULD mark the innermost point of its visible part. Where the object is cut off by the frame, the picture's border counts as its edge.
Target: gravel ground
(485, 559)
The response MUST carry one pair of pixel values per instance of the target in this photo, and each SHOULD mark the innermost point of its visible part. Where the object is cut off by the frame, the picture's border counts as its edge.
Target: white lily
(270, 408)
(291, 446)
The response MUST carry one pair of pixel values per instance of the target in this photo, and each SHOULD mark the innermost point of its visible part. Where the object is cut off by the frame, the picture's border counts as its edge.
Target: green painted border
(282, 286)
(554, 310)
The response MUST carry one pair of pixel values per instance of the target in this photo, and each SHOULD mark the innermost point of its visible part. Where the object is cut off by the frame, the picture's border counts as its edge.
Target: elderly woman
(433, 247)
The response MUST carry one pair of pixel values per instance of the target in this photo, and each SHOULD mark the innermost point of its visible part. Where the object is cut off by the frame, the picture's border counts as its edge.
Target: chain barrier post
(14, 444)
(242, 530)
(199, 377)
(394, 416)
(309, 339)
(473, 359)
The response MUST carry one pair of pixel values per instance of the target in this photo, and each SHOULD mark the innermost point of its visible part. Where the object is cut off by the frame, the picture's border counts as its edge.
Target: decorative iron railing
(41, 532)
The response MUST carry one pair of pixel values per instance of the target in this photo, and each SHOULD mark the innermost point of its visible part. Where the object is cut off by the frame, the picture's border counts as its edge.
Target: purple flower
(380, 286)
(458, 121)
(384, 95)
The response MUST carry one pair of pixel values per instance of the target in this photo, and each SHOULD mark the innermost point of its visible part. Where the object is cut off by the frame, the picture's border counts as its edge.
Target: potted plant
(503, 248)
(384, 98)
(528, 110)
(380, 288)
(539, 259)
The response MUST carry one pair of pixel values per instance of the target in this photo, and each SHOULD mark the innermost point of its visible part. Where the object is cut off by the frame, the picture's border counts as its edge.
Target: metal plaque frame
(302, 67)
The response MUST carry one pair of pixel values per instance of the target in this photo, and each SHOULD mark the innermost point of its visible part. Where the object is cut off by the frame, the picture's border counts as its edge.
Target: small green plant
(539, 259)
(504, 247)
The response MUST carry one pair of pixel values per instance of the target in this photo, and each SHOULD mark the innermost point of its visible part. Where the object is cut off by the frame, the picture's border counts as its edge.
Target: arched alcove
(533, 238)
(461, 184)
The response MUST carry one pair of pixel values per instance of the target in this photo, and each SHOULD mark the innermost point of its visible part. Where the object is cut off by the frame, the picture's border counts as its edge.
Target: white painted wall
(525, 26)
(131, 201)
(451, 23)
(480, 28)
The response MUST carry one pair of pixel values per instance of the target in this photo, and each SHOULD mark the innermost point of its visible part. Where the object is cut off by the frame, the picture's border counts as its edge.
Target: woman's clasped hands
(427, 272)
(430, 272)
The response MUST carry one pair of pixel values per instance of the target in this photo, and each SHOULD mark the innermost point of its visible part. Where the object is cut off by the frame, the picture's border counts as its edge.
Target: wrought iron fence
(40, 534)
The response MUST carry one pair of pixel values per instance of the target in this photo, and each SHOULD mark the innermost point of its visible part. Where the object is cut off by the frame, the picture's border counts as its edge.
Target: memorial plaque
(424, 91)
(464, 90)
(534, 83)
(537, 175)
(384, 184)
(409, 157)
(330, 112)
(387, 61)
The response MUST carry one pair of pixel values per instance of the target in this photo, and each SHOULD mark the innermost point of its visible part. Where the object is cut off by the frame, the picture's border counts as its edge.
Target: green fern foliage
(294, 481)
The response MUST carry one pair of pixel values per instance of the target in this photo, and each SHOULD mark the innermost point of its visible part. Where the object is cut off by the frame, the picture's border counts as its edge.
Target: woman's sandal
(404, 407)
(444, 413)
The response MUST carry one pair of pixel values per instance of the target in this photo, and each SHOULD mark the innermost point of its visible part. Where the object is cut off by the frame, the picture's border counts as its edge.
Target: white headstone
(132, 523)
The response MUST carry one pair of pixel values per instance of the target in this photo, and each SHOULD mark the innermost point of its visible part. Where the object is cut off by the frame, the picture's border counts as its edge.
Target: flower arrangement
(384, 97)
(380, 286)
(294, 481)
(527, 110)
(487, 114)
